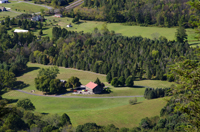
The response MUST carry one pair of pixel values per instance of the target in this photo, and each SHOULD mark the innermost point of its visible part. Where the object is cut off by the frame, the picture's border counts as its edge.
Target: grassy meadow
(22, 7)
(87, 76)
(88, 26)
(115, 111)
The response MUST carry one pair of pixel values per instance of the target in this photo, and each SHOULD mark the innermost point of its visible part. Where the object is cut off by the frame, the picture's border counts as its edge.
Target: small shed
(2, 8)
(94, 88)
(20, 31)
(58, 15)
(69, 25)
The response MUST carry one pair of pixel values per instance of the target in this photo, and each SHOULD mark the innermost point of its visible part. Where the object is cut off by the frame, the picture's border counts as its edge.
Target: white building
(3, 1)
(20, 31)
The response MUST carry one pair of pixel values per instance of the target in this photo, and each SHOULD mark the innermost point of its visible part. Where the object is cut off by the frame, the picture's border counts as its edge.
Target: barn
(94, 88)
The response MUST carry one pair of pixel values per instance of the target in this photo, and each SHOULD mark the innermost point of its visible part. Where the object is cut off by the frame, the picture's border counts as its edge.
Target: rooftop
(91, 85)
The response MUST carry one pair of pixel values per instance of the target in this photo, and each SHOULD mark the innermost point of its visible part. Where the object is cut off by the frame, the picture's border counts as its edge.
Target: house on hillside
(58, 15)
(3, 1)
(94, 88)
(2, 8)
(36, 18)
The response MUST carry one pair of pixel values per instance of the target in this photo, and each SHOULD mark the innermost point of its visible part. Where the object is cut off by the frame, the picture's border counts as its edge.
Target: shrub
(133, 101)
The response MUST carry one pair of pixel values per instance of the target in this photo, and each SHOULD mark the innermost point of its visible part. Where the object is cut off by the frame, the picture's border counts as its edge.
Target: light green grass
(29, 8)
(4, 14)
(87, 76)
(101, 111)
(148, 32)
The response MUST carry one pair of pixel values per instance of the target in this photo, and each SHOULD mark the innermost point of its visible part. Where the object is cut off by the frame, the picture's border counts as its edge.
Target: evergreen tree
(181, 35)
(121, 81)
(108, 77)
(97, 81)
(115, 82)
(129, 81)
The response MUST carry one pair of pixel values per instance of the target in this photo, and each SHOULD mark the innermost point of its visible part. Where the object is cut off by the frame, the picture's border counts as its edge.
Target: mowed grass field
(102, 111)
(88, 26)
(5, 14)
(87, 76)
(23, 7)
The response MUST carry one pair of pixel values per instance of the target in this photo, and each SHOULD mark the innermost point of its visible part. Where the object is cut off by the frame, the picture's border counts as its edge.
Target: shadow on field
(29, 69)
(10, 101)
(20, 85)
(194, 44)
(45, 113)
(138, 86)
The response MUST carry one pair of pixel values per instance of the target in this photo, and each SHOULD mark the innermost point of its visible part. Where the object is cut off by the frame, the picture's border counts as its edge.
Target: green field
(115, 111)
(88, 26)
(86, 77)
(23, 7)
(7, 13)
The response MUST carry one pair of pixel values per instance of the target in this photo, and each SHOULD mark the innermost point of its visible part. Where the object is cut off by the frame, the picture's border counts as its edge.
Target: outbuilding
(58, 15)
(94, 88)
(20, 31)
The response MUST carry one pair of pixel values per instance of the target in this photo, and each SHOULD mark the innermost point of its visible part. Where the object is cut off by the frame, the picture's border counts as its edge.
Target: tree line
(165, 13)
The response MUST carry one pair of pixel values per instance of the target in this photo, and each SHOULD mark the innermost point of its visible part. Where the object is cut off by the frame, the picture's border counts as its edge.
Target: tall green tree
(181, 35)
(129, 81)
(26, 104)
(50, 72)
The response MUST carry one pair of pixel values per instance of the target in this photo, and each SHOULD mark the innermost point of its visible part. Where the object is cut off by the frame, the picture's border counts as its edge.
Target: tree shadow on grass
(29, 69)
(44, 113)
(194, 44)
(10, 101)
(20, 85)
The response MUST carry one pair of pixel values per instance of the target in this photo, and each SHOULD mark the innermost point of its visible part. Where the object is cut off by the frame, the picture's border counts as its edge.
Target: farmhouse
(94, 88)
(20, 31)
(3, 1)
(2, 8)
(58, 15)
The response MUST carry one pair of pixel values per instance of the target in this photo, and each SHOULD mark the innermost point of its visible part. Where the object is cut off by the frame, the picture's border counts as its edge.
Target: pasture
(87, 76)
(88, 26)
(115, 111)
(23, 7)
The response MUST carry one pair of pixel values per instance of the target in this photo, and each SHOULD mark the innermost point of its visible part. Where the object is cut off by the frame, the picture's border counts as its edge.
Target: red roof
(91, 85)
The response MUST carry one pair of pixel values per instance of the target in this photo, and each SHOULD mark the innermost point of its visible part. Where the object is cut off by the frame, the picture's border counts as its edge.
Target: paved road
(60, 96)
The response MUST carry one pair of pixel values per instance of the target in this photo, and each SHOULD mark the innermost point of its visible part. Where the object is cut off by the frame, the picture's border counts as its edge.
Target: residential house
(94, 88)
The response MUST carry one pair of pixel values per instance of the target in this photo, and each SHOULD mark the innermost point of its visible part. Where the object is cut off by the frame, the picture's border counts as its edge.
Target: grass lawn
(4, 14)
(148, 32)
(85, 77)
(115, 111)
(21, 6)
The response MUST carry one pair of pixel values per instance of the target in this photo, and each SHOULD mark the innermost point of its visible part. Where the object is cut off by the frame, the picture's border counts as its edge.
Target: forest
(164, 13)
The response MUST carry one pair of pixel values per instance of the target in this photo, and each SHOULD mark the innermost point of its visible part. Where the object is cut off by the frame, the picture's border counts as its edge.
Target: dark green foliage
(26, 104)
(88, 127)
(129, 81)
(97, 81)
(121, 81)
(181, 35)
(50, 72)
(40, 32)
(151, 93)
(73, 82)
(115, 82)
(109, 77)
(65, 120)
(7, 78)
